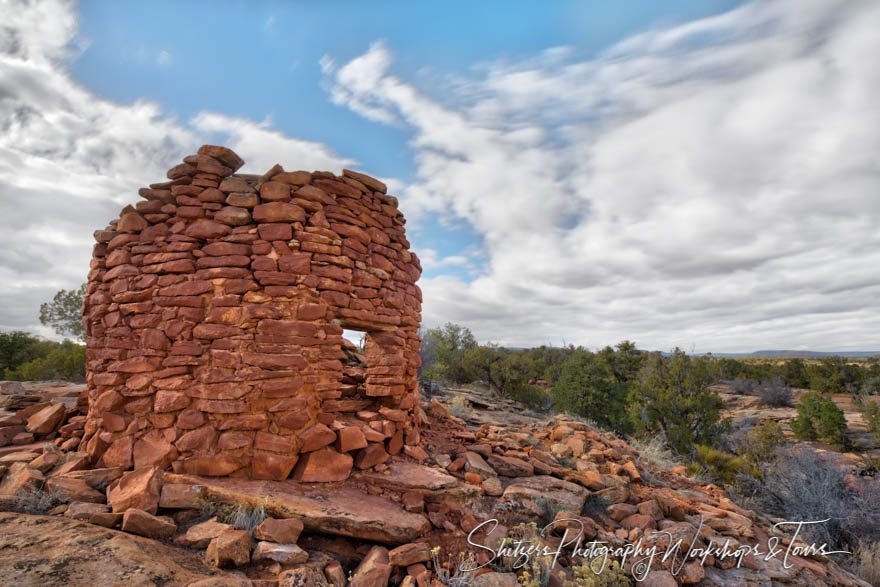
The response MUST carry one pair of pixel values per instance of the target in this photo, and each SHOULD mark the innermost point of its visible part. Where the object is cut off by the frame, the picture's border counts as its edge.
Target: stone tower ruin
(214, 324)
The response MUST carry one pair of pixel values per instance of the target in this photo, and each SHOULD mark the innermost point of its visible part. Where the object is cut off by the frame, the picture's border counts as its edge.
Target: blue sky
(261, 60)
(701, 174)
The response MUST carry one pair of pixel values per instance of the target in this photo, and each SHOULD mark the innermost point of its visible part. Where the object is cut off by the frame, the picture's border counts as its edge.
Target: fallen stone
(141, 523)
(341, 511)
(374, 570)
(406, 475)
(229, 548)
(511, 467)
(20, 478)
(47, 420)
(179, 496)
(474, 463)
(283, 531)
(79, 510)
(136, 489)
(68, 489)
(106, 519)
(200, 535)
(409, 554)
(534, 494)
(280, 553)
(322, 466)
(61, 551)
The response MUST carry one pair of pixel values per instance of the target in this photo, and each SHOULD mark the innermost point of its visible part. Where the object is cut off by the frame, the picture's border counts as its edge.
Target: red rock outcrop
(214, 321)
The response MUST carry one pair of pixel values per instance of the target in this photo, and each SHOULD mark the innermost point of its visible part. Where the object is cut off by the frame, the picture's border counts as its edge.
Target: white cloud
(70, 160)
(164, 58)
(711, 184)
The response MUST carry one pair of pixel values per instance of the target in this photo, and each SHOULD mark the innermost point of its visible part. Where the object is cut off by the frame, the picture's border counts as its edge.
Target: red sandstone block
(274, 232)
(274, 443)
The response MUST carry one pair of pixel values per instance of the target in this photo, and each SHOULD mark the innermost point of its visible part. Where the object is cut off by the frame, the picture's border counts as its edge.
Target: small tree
(64, 312)
(819, 418)
(588, 387)
(448, 345)
(870, 410)
(673, 396)
(794, 372)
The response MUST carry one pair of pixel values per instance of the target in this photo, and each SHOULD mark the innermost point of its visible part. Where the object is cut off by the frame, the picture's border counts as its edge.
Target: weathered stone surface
(47, 420)
(290, 554)
(20, 478)
(80, 510)
(69, 489)
(341, 511)
(374, 570)
(136, 489)
(59, 550)
(282, 531)
(229, 548)
(511, 466)
(525, 493)
(200, 535)
(410, 554)
(322, 466)
(406, 475)
(141, 523)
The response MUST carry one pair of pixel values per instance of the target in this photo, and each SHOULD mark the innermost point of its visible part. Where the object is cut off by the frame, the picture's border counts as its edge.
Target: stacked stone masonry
(214, 323)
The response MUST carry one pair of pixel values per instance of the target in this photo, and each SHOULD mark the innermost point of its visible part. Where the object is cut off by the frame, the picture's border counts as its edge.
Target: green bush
(819, 418)
(762, 441)
(66, 360)
(870, 410)
(587, 387)
(673, 397)
(723, 466)
(17, 348)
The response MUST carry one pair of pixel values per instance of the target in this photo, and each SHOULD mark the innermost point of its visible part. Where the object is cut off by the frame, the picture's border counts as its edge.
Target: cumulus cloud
(70, 160)
(711, 184)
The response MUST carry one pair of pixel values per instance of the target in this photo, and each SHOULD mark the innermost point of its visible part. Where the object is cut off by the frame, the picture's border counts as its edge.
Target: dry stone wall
(214, 321)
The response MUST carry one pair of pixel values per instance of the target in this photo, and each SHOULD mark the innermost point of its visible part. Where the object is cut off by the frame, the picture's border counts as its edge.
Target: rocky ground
(402, 522)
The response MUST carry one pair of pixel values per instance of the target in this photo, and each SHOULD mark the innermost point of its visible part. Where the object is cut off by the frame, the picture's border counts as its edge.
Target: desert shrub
(722, 466)
(530, 396)
(866, 562)
(612, 575)
(66, 360)
(762, 441)
(743, 386)
(447, 346)
(805, 485)
(461, 575)
(654, 450)
(587, 387)
(819, 418)
(35, 500)
(241, 515)
(870, 411)
(775, 393)
(673, 397)
(536, 573)
(835, 375)
(460, 407)
(794, 373)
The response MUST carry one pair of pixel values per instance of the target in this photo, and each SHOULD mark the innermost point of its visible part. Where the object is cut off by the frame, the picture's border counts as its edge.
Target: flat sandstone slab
(405, 475)
(51, 550)
(344, 511)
